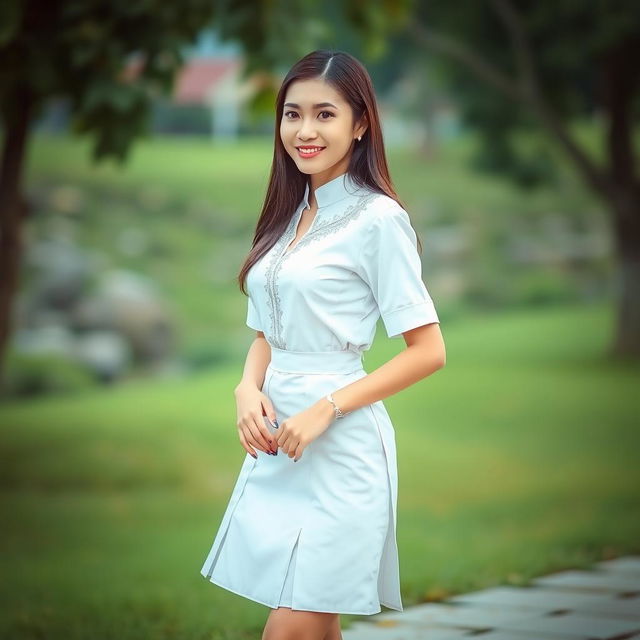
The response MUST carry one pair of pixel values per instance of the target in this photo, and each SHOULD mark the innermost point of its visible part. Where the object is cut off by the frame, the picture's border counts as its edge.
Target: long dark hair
(368, 165)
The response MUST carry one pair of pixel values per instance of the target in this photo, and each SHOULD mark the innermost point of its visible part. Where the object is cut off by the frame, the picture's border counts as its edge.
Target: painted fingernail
(256, 457)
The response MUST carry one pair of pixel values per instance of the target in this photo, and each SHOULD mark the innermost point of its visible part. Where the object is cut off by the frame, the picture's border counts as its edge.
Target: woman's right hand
(252, 404)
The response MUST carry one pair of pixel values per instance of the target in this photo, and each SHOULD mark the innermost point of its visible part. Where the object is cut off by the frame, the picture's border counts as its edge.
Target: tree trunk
(619, 81)
(12, 205)
(626, 343)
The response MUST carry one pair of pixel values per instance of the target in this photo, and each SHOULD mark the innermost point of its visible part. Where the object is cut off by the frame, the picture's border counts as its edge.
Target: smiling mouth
(309, 152)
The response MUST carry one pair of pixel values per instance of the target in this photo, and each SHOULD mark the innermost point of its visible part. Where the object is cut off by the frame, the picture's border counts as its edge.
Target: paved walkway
(602, 603)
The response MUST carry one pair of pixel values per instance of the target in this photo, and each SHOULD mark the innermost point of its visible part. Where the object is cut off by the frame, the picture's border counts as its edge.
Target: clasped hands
(292, 435)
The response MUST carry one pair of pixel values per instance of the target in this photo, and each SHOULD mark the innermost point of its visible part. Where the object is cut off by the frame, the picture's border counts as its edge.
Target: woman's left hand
(297, 431)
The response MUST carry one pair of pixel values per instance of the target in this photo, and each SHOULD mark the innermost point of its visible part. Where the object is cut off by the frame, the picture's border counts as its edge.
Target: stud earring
(359, 138)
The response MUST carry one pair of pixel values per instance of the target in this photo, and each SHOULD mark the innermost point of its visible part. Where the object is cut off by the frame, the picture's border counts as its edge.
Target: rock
(61, 273)
(45, 340)
(106, 353)
(138, 313)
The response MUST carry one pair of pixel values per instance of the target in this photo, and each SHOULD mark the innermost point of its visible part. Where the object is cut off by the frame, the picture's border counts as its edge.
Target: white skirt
(318, 534)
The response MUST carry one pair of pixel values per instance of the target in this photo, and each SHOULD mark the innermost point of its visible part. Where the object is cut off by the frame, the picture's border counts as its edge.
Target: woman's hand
(251, 405)
(297, 431)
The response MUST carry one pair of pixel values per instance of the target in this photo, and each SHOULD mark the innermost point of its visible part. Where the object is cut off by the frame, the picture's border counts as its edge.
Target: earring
(359, 138)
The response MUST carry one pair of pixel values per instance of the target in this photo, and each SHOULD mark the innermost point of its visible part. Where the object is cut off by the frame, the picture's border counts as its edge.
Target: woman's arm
(252, 403)
(425, 354)
(256, 363)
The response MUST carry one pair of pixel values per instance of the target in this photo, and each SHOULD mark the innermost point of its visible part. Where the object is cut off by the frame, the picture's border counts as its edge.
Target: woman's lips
(305, 154)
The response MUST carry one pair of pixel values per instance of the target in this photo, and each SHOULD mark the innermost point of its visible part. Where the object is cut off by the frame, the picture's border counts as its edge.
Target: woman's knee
(291, 624)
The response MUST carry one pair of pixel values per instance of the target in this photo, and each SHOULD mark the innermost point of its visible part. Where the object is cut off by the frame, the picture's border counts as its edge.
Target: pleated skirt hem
(274, 606)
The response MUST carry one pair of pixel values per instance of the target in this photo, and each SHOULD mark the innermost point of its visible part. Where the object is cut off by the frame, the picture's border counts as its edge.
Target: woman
(310, 526)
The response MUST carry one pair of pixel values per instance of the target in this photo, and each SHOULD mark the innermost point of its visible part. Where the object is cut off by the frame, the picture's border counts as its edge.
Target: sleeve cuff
(409, 317)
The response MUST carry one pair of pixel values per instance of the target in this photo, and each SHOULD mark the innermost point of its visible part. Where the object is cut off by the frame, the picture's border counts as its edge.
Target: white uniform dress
(319, 534)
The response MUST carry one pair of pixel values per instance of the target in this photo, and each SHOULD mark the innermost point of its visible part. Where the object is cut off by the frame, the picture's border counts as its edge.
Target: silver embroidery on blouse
(270, 274)
(280, 254)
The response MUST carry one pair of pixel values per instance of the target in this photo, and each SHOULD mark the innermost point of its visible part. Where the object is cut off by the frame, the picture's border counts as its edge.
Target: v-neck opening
(288, 249)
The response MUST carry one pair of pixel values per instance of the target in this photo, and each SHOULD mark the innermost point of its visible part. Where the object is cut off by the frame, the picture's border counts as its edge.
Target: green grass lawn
(518, 458)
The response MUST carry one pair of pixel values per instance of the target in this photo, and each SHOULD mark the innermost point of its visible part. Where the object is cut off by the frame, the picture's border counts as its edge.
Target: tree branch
(534, 95)
(448, 46)
(526, 89)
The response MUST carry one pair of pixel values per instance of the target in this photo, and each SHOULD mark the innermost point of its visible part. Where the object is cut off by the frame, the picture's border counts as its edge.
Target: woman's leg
(334, 632)
(287, 624)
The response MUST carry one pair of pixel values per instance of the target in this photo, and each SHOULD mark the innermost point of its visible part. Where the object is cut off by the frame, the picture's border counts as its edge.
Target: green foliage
(204, 355)
(36, 375)
(181, 119)
(522, 288)
(575, 49)
(80, 49)
(546, 287)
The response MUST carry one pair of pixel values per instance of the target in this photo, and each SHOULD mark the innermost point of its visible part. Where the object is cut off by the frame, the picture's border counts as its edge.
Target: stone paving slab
(513, 635)
(421, 613)
(528, 597)
(574, 625)
(479, 618)
(455, 615)
(603, 604)
(591, 580)
(629, 564)
(368, 631)
(548, 600)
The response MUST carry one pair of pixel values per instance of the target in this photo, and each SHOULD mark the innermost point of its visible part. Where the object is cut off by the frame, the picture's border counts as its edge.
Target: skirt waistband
(346, 361)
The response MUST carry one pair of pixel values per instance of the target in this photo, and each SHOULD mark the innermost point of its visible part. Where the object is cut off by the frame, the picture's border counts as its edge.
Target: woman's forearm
(256, 363)
(403, 370)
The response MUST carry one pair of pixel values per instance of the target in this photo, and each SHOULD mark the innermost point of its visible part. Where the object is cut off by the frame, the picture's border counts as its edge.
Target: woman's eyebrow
(315, 106)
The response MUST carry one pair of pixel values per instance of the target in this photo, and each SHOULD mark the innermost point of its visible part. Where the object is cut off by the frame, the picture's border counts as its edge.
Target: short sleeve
(253, 319)
(390, 264)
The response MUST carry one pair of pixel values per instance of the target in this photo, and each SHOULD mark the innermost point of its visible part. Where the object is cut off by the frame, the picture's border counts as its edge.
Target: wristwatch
(336, 408)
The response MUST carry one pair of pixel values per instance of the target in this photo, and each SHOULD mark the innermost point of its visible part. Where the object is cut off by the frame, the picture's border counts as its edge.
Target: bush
(545, 287)
(203, 355)
(33, 375)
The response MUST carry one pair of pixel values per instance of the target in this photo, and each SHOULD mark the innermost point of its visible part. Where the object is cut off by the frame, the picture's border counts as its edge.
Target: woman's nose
(306, 131)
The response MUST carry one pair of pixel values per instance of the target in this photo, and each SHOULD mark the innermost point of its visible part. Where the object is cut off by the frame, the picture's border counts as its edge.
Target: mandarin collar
(333, 191)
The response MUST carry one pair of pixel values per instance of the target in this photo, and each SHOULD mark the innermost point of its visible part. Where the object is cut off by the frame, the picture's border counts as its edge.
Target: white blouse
(357, 262)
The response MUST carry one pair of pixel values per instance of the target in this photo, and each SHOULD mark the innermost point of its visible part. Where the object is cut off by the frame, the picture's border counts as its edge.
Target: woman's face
(315, 115)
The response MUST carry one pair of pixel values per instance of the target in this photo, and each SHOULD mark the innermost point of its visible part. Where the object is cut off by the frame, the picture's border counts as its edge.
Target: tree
(79, 49)
(554, 62)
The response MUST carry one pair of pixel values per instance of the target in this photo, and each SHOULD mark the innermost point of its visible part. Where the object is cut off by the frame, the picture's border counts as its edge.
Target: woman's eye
(293, 113)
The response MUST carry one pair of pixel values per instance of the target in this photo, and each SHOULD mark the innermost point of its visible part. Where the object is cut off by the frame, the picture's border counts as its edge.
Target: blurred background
(137, 140)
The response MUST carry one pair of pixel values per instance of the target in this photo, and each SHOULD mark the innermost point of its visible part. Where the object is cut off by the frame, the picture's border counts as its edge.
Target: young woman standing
(310, 528)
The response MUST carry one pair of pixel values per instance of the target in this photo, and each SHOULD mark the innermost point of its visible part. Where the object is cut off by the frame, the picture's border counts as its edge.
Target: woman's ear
(363, 125)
